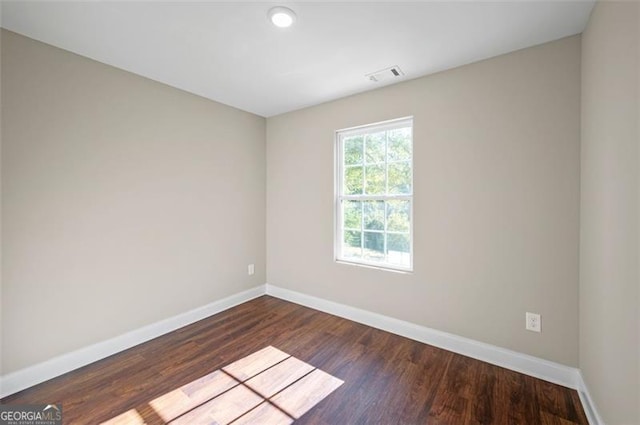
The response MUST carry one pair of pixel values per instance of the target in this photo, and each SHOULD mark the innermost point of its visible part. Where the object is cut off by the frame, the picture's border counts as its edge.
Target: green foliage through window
(375, 196)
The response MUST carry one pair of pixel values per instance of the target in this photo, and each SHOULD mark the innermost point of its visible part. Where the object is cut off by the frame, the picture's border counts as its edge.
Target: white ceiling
(229, 51)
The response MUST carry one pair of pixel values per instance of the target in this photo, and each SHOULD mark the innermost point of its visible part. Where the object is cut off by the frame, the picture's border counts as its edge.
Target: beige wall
(125, 201)
(496, 201)
(609, 255)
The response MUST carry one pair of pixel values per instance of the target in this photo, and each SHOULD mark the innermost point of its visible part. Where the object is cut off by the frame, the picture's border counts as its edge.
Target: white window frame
(340, 135)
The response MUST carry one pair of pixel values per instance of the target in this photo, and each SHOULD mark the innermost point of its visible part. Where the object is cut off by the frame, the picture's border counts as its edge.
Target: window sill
(375, 266)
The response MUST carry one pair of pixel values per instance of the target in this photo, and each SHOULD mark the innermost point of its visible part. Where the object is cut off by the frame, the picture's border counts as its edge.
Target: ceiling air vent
(385, 74)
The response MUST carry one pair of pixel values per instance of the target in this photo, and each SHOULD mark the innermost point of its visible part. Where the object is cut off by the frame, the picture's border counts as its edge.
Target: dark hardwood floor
(388, 379)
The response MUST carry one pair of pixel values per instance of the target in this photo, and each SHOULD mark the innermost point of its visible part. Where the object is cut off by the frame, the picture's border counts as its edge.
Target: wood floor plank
(581, 416)
(181, 400)
(277, 378)
(387, 379)
(223, 409)
(453, 403)
(264, 414)
(302, 395)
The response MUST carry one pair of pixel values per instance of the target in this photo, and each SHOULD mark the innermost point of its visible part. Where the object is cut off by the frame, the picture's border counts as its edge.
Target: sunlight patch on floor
(268, 387)
(130, 417)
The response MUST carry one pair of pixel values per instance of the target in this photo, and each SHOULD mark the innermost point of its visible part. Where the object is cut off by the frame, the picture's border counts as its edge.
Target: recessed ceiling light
(282, 17)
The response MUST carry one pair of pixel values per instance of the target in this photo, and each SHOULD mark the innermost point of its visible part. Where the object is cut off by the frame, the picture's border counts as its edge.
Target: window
(374, 195)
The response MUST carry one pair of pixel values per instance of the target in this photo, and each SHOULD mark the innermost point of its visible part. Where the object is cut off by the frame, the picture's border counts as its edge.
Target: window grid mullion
(397, 232)
(386, 164)
(364, 191)
(385, 231)
(362, 229)
(386, 191)
(381, 231)
(364, 165)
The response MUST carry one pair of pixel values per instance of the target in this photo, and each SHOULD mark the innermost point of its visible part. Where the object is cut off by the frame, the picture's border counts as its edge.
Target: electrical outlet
(533, 322)
(251, 269)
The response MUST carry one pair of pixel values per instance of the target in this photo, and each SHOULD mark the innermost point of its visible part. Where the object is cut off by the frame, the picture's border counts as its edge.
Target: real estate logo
(31, 414)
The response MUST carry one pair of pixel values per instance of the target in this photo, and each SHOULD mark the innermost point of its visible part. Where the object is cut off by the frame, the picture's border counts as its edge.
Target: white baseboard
(587, 402)
(32, 375)
(519, 362)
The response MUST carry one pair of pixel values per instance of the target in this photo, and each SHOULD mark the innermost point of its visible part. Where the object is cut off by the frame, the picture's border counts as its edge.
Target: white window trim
(338, 197)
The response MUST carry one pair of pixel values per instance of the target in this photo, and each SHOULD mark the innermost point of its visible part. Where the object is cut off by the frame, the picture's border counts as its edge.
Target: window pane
(398, 249)
(353, 150)
(375, 147)
(375, 180)
(352, 214)
(399, 178)
(351, 246)
(373, 246)
(353, 180)
(374, 215)
(399, 148)
(398, 216)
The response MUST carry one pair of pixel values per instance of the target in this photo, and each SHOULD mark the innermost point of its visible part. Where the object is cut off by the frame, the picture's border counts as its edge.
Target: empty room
(333, 213)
